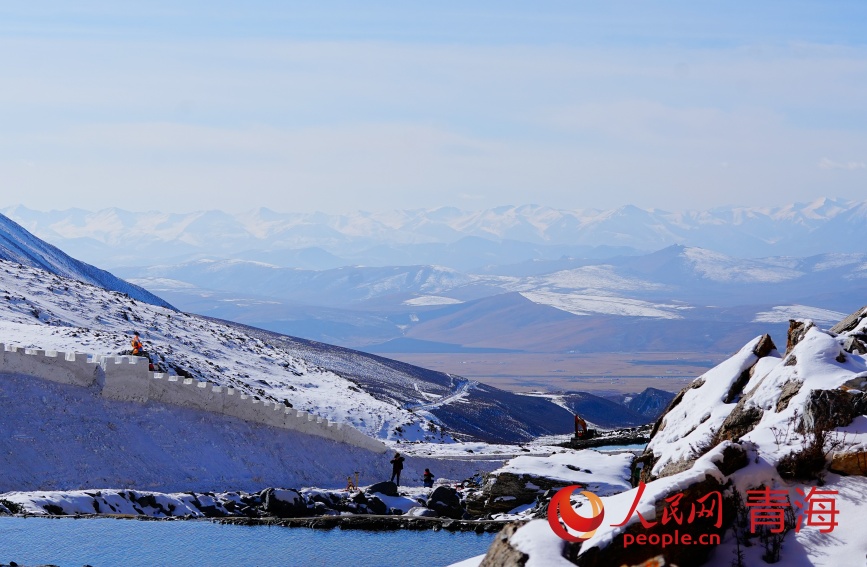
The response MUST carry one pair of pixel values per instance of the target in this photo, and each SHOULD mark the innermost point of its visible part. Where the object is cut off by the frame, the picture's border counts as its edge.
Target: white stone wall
(127, 378)
(66, 368)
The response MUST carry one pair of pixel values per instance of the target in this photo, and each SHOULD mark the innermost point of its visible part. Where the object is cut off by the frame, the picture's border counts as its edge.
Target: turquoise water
(69, 542)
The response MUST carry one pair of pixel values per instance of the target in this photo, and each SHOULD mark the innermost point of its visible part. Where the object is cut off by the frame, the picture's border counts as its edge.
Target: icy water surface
(129, 543)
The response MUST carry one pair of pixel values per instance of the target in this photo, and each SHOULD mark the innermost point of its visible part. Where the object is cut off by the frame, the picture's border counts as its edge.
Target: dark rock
(285, 503)
(763, 348)
(388, 488)
(446, 501)
(828, 409)
(377, 506)
(739, 422)
(734, 458)
(506, 491)
(789, 390)
(359, 498)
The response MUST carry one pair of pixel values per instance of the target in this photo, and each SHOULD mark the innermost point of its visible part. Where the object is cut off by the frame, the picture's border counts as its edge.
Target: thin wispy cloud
(826, 163)
(399, 106)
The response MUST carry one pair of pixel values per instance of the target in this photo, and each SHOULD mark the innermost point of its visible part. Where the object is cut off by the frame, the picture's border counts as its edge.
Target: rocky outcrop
(830, 409)
(850, 463)
(741, 420)
(797, 331)
(505, 491)
(501, 553)
(849, 322)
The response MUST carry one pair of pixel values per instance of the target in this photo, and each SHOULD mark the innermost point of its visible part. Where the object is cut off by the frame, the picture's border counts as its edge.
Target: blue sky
(337, 106)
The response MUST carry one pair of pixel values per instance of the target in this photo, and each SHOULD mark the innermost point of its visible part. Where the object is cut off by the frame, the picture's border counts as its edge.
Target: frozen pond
(104, 542)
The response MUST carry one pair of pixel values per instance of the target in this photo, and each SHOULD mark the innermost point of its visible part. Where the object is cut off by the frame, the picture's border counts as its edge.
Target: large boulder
(388, 488)
(377, 506)
(851, 463)
(446, 501)
(284, 503)
(829, 409)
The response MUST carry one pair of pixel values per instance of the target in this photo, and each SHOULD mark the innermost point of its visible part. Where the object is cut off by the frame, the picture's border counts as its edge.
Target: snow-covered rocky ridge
(18, 245)
(793, 422)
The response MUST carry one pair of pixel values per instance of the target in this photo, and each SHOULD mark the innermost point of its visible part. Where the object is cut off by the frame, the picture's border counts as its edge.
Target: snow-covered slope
(375, 395)
(18, 245)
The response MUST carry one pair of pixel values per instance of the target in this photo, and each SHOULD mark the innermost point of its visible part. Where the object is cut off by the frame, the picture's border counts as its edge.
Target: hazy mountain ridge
(116, 237)
(678, 295)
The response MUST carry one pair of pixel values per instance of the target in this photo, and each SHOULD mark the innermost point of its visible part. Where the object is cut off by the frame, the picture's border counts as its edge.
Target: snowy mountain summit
(761, 460)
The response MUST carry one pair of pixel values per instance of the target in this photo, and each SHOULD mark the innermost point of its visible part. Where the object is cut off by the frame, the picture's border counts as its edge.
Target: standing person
(427, 478)
(396, 467)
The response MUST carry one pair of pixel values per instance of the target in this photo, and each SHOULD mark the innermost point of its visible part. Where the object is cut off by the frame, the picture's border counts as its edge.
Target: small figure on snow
(137, 346)
(580, 428)
(396, 467)
(427, 478)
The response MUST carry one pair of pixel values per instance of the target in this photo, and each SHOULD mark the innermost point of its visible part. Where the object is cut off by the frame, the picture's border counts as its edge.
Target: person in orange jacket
(137, 346)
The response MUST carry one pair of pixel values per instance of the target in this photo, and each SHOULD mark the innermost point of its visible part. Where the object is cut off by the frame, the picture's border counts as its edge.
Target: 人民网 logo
(560, 508)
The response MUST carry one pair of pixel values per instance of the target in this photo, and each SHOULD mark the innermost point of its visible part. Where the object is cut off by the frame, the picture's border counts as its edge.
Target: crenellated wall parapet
(128, 378)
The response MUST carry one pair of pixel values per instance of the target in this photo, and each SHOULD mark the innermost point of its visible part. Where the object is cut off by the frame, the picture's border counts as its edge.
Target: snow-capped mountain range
(447, 235)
